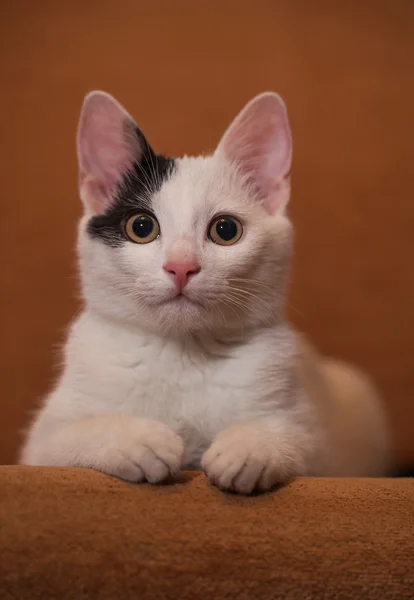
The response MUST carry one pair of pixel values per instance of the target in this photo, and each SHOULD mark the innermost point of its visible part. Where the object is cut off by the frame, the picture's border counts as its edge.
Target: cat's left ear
(259, 143)
(108, 145)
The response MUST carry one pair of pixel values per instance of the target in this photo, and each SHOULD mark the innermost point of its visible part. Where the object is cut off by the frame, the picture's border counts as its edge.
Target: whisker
(148, 186)
(253, 281)
(153, 166)
(222, 314)
(238, 294)
(251, 295)
(293, 307)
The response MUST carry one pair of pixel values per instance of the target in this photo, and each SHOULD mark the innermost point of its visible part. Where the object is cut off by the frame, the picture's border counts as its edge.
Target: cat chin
(180, 302)
(186, 318)
(181, 315)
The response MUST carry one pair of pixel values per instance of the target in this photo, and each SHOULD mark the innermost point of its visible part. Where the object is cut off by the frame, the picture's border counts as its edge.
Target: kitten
(182, 358)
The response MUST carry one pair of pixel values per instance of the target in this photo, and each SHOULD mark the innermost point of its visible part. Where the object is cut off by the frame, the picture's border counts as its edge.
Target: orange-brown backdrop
(183, 69)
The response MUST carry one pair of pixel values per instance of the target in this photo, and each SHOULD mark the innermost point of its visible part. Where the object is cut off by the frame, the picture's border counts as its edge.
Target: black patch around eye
(133, 195)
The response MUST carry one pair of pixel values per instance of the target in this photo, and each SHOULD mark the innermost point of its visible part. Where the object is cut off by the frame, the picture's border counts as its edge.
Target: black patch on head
(133, 194)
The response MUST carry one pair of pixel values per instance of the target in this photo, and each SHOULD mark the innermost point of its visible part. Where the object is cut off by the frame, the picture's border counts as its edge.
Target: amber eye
(142, 228)
(225, 230)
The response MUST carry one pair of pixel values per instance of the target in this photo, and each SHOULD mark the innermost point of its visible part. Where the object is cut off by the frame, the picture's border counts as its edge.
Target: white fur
(220, 383)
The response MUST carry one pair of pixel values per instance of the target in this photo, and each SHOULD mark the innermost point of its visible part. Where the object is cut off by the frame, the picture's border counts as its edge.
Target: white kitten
(182, 357)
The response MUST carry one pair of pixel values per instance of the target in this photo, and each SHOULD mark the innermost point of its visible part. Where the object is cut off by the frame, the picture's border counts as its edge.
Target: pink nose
(182, 271)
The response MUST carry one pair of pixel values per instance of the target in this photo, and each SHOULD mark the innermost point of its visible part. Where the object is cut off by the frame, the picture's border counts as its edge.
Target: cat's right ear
(108, 145)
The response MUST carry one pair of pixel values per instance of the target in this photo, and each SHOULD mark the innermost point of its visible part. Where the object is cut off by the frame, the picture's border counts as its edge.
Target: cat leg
(127, 447)
(257, 455)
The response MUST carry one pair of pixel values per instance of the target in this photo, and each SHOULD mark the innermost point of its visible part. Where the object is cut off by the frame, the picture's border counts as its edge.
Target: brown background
(184, 69)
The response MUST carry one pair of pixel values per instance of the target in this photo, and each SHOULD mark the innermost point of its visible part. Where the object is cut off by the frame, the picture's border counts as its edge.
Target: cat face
(189, 244)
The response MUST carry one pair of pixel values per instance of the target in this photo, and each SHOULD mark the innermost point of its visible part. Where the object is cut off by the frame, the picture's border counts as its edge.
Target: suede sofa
(78, 534)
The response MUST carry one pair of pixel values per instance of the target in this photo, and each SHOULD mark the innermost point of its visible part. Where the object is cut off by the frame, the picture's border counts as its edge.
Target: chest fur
(191, 389)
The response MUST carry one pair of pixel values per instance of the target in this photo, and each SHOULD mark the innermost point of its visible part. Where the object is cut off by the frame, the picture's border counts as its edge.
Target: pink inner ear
(259, 143)
(106, 148)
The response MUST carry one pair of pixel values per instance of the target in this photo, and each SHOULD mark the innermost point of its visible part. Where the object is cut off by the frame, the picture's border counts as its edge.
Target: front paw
(149, 451)
(245, 458)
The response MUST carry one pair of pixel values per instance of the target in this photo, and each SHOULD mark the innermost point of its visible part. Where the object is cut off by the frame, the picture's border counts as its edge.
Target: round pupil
(226, 229)
(143, 226)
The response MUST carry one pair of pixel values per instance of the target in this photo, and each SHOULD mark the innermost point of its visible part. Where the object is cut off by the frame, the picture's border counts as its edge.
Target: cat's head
(185, 244)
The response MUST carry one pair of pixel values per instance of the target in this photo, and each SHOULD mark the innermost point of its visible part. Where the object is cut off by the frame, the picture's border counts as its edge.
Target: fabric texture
(77, 534)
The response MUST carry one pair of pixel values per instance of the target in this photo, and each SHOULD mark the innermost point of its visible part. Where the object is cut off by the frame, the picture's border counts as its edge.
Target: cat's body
(173, 367)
